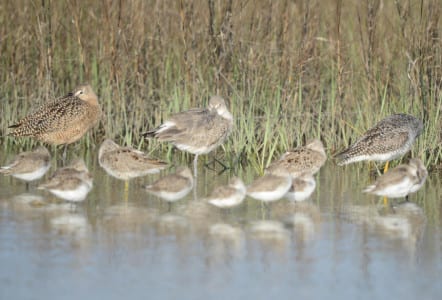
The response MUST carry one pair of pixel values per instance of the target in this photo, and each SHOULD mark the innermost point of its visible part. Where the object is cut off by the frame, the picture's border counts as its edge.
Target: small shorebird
(307, 159)
(270, 187)
(62, 121)
(126, 162)
(389, 139)
(302, 187)
(197, 131)
(29, 166)
(228, 196)
(71, 183)
(400, 181)
(172, 187)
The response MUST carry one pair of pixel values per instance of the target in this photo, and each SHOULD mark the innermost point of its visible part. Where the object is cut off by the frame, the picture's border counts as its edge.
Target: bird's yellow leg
(126, 190)
(385, 201)
(386, 167)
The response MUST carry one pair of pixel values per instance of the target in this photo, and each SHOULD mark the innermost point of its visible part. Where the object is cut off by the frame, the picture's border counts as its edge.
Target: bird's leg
(126, 190)
(64, 154)
(386, 167)
(385, 201)
(195, 165)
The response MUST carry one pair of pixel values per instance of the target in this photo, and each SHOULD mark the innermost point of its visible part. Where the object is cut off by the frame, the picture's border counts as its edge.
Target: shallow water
(339, 243)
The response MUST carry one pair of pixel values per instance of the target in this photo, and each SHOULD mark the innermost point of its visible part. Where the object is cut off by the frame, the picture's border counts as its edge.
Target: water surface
(340, 243)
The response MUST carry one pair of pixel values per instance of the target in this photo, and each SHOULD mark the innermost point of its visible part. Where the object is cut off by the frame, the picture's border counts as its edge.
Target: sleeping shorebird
(302, 187)
(71, 183)
(400, 181)
(197, 131)
(172, 187)
(389, 139)
(62, 121)
(270, 187)
(125, 163)
(307, 159)
(29, 166)
(229, 195)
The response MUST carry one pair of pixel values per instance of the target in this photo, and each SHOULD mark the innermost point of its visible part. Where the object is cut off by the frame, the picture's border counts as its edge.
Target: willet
(302, 187)
(172, 187)
(29, 166)
(62, 121)
(400, 181)
(228, 196)
(270, 187)
(389, 139)
(307, 159)
(197, 131)
(71, 183)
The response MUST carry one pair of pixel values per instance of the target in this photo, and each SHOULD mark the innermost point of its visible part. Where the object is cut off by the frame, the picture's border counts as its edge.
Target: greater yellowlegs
(391, 138)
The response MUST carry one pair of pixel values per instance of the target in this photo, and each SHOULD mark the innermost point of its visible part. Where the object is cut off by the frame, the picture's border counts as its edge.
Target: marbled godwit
(391, 138)
(172, 187)
(62, 121)
(29, 166)
(307, 159)
(197, 131)
(71, 183)
(228, 196)
(400, 181)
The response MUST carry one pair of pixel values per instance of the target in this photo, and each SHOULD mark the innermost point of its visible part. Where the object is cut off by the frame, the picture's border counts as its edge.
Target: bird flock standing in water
(200, 131)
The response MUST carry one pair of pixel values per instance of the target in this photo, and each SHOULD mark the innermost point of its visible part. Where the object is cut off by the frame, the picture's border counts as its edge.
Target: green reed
(291, 71)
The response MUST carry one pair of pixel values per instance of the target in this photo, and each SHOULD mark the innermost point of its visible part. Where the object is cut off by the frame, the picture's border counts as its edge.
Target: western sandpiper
(172, 187)
(230, 195)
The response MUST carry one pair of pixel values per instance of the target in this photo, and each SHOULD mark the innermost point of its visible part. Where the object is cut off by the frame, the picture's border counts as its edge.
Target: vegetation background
(290, 70)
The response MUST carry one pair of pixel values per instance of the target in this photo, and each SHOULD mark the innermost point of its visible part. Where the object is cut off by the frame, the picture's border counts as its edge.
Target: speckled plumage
(391, 138)
(197, 131)
(307, 159)
(400, 181)
(125, 162)
(172, 187)
(62, 121)
(71, 183)
(30, 165)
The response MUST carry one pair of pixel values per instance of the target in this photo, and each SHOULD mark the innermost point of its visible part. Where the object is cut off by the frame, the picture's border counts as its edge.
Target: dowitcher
(29, 166)
(172, 187)
(126, 162)
(197, 131)
(230, 195)
(306, 159)
(400, 181)
(71, 183)
(302, 187)
(62, 121)
(270, 187)
(389, 139)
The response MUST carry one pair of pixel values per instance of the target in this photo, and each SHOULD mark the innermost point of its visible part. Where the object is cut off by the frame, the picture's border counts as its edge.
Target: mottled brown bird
(391, 138)
(62, 121)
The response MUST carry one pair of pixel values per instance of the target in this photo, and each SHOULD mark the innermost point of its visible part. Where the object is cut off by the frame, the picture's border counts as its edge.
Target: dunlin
(230, 195)
(307, 159)
(400, 181)
(197, 131)
(62, 121)
(270, 187)
(172, 187)
(29, 166)
(125, 162)
(302, 187)
(71, 183)
(389, 139)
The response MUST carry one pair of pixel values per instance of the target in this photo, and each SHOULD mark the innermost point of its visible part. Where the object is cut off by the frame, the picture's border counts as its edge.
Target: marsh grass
(291, 71)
